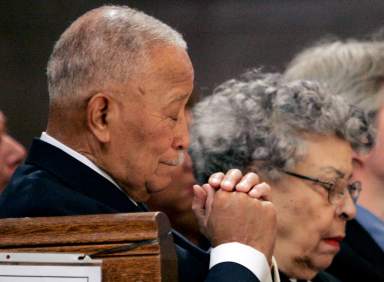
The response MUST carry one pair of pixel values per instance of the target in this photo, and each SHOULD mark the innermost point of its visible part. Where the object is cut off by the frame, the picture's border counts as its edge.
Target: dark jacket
(360, 258)
(52, 183)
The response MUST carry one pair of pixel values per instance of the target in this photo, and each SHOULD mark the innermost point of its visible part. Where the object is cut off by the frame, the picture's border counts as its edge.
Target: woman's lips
(334, 241)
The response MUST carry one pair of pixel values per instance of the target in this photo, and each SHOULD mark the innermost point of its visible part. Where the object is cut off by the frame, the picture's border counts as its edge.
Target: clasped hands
(233, 207)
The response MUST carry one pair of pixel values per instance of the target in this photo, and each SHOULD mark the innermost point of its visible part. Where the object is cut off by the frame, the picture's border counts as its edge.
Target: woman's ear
(359, 159)
(98, 114)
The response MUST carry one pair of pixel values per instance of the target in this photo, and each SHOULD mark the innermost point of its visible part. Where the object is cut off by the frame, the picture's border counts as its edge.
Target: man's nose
(181, 140)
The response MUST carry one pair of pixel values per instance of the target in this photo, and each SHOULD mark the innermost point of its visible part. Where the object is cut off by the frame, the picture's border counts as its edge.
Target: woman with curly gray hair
(299, 139)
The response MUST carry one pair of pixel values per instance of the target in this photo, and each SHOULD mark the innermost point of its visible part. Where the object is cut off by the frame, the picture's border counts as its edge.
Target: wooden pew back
(152, 258)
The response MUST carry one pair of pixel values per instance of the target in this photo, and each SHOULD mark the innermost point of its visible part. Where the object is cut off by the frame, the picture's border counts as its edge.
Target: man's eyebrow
(179, 98)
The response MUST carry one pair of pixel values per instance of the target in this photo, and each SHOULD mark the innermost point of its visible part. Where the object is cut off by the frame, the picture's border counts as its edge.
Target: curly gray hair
(258, 118)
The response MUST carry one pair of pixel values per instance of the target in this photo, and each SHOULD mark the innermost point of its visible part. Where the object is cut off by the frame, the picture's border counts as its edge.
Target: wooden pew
(154, 259)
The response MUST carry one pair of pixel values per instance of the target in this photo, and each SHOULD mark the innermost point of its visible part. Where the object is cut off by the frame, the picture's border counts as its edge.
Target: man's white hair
(105, 45)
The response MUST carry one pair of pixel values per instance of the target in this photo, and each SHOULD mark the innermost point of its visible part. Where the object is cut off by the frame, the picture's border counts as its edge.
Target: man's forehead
(170, 62)
(159, 91)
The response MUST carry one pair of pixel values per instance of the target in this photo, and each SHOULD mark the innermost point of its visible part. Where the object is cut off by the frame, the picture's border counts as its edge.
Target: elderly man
(355, 70)
(118, 82)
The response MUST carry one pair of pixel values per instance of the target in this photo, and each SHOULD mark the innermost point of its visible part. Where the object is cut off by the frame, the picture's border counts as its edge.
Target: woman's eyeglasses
(336, 190)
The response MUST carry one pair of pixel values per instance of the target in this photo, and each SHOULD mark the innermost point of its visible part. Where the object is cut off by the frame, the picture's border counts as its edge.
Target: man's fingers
(198, 201)
(231, 220)
(198, 207)
(261, 191)
(199, 196)
(209, 200)
(248, 182)
(215, 179)
(231, 178)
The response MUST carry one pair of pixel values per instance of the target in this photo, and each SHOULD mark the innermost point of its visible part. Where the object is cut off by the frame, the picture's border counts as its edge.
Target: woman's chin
(308, 268)
(304, 274)
(324, 262)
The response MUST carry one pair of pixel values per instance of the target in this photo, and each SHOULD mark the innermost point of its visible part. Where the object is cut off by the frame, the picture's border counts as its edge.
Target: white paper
(49, 273)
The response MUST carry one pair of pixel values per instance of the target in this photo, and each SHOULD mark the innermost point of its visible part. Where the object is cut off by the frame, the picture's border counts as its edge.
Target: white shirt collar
(275, 270)
(54, 142)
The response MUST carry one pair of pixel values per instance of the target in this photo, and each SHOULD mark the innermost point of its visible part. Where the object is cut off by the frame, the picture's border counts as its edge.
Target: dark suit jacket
(52, 183)
(320, 277)
(360, 258)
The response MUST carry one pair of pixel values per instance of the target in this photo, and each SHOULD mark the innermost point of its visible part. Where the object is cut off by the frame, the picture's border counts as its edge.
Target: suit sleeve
(226, 263)
(242, 255)
(230, 272)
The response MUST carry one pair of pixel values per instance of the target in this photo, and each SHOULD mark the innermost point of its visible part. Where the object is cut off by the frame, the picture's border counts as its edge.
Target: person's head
(118, 82)
(2, 124)
(283, 132)
(355, 70)
(12, 153)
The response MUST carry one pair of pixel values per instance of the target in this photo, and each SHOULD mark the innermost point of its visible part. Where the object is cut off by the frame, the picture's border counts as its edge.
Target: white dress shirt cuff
(247, 256)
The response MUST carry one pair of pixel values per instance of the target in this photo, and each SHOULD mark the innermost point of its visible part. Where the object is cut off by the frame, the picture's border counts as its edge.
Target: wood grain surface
(91, 233)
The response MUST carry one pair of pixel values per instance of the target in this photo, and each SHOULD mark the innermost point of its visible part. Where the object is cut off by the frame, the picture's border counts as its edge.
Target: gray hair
(353, 69)
(104, 45)
(258, 119)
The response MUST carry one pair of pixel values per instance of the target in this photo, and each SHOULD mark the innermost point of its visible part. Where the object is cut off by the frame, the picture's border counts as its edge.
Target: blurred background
(224, 37)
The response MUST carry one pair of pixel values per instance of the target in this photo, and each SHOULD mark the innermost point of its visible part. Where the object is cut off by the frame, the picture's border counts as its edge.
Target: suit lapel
(78, 177)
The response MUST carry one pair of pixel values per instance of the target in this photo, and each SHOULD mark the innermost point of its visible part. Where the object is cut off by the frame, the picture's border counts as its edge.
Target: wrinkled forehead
(168, 62)
(325, 154)
(166, 80)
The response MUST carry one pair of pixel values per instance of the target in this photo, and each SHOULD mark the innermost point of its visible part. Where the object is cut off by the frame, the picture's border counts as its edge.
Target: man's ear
(98, 114)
